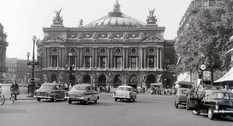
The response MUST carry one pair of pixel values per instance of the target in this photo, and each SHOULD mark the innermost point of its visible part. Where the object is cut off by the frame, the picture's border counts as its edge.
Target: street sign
(203, 67)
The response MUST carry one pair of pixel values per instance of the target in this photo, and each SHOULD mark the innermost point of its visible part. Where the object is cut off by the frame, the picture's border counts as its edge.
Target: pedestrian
(143, 90)
(14, 89)
(108, 89)
(66, 86)
(100, 89)
(226, 87)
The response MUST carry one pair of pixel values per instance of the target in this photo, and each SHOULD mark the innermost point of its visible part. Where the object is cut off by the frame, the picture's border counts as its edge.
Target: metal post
(31, 86)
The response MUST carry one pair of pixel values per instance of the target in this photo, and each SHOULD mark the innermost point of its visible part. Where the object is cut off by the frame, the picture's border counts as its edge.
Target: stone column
(157, 58)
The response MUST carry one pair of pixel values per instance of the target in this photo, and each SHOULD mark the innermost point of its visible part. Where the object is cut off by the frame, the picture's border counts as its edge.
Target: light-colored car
(125, 92)
(83, 93)
(52, 91)
(180, 95)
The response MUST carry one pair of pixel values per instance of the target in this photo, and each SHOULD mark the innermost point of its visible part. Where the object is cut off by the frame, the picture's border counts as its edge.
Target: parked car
(125, 92)
(156, 88)
(83, 93)
(51, 91)
(215, 103)
(180, 95)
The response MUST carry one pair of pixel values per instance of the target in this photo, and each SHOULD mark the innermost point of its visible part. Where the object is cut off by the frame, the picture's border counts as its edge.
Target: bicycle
(2, 98)
(12, 98)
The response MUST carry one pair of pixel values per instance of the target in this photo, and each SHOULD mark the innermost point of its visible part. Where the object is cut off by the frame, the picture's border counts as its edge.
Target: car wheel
(115, 99)
(210, 113)
(54, 99)
(176, 105)
(69, 101)
(2, 99)
(38, 99)
(195, 112)
(95, 101)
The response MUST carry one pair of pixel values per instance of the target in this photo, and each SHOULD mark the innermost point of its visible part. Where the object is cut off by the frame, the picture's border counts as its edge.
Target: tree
(208, 33)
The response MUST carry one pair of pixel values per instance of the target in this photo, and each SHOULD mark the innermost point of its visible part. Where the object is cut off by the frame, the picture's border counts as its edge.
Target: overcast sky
(24, 18)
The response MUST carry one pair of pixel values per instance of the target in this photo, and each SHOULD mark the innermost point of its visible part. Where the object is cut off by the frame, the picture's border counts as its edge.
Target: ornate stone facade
(3, 46)
(111, 51)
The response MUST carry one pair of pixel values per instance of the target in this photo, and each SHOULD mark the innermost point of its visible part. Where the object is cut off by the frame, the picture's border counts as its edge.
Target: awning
(183, 77)
(227, 77)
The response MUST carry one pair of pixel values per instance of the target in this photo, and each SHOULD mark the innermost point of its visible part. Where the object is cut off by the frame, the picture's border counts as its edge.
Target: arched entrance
(133, 81)
(86, 79)
(117, 81)
(150, 79)
(102, 81)
(53, 77)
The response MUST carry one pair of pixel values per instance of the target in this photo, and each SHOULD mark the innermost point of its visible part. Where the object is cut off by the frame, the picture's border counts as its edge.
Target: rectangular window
(167, 61)
(133, 62)
(54, 61)
(102, 62)
(151, 62)
(205, 3)
(212, 2)
(118, 62)
(87, 61)
(1, 62)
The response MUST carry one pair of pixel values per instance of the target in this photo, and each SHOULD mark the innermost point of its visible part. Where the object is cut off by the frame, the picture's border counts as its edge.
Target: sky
(23, 19)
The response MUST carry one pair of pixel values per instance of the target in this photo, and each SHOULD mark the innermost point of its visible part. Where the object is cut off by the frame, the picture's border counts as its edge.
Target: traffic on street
(145, 111)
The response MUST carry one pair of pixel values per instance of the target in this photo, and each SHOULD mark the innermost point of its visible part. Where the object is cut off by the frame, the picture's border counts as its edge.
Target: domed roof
(116, 19)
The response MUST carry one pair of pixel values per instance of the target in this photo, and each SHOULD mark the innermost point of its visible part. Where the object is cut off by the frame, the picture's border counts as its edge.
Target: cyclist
(14, 89)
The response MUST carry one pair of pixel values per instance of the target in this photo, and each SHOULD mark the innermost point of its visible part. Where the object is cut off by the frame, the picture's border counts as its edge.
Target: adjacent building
(111, 51)
(3, 46)
(184, 24)
(17, 70)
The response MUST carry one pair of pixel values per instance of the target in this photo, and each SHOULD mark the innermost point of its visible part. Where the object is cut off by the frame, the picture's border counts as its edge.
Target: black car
(215, 103)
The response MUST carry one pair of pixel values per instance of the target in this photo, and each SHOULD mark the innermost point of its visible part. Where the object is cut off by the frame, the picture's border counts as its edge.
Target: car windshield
(221, 95)
(124, 88)
(47, 87)
(185, 86)
(78, 87)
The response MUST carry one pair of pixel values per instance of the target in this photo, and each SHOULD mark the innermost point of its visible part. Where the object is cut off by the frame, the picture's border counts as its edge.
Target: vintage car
(52, 91)
(180, 93)
(125, 92)
(83, 93)
(156, 88)
(214, 102)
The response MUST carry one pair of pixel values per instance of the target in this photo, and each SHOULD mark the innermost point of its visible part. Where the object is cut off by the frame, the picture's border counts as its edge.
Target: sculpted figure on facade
(117, 7)
(110, 35)
(57, 19)
(151, 18)
(80, 35)
(126, 36)
(159, 77)
(80, 23)
(143, 79)
(95, 35)
(60, 77)
(45, 78)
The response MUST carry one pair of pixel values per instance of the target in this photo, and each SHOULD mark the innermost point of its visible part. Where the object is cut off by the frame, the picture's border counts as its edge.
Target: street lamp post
(31, 85)
(70, 70)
